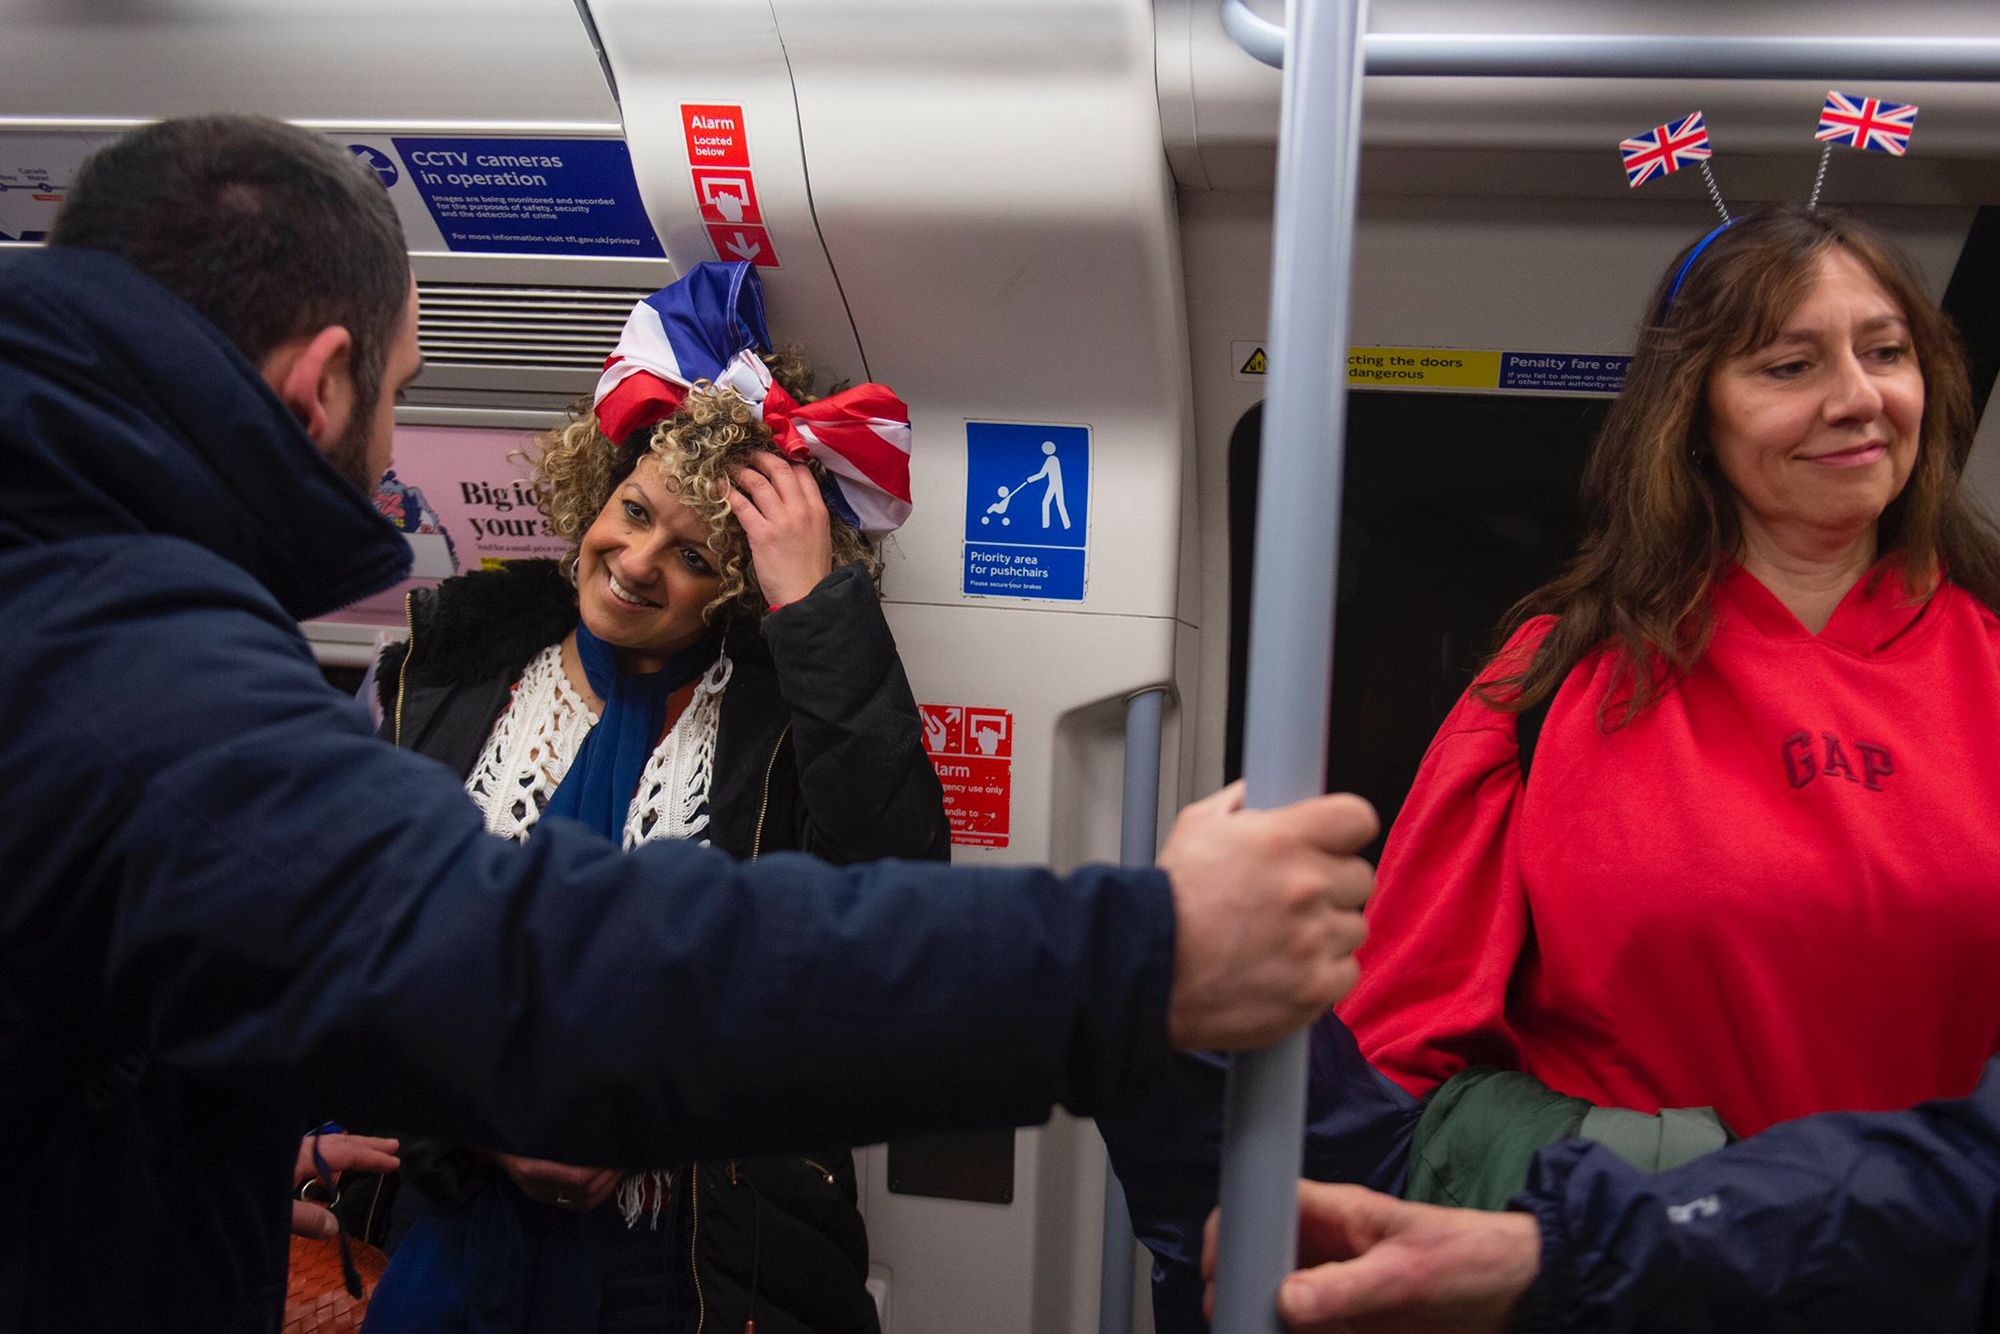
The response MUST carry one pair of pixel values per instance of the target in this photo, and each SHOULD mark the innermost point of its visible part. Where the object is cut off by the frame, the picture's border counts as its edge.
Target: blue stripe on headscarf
(711, 313)
(598, 789)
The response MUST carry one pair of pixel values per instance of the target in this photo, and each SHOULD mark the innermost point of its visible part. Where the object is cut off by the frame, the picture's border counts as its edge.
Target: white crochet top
(543, 727)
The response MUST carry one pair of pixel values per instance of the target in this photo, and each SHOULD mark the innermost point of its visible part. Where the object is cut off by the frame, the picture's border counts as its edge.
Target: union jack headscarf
(709, 325)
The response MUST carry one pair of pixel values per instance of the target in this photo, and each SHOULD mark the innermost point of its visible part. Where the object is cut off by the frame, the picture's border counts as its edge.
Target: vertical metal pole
(1291, 611)
(1138, 840)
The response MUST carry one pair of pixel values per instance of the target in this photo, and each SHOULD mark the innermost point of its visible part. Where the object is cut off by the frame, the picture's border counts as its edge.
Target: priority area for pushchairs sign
(1027, 510)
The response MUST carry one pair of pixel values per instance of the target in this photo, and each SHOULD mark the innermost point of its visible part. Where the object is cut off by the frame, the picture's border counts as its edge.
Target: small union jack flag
(1867, 122)
(1664, 149)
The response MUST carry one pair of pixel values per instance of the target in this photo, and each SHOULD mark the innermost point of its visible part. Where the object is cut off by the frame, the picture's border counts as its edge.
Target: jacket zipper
(409, 647)
(817, 1167)
(694, 1169)
(694, 1242)
(764, 803)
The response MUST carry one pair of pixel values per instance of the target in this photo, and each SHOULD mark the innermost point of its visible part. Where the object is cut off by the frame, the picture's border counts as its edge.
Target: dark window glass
(1456, 505)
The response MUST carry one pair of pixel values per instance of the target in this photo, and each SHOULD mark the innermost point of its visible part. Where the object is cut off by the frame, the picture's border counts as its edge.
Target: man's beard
(349, 453)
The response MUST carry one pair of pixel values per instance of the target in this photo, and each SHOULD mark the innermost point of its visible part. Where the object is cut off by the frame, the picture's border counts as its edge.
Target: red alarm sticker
(715, 136)
(742, 241)
(726, 197)
(973, 752)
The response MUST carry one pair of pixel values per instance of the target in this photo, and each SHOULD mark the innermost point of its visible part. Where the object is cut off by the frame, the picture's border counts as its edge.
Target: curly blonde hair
(576, 468)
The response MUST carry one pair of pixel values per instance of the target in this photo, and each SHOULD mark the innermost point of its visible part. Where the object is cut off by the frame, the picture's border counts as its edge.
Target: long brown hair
(1661, 521)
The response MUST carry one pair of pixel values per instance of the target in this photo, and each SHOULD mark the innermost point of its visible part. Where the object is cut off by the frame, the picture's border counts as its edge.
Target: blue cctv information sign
(529, 196)
(1027, 510)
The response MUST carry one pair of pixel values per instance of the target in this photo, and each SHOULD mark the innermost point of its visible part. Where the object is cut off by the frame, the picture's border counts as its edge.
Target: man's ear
(313, 375)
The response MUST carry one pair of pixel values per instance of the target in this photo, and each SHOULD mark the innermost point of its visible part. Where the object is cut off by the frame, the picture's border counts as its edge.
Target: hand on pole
(1267, 912)
(1374, 1264)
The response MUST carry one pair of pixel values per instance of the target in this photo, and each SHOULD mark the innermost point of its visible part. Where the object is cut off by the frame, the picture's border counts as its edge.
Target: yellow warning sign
(1423, 367)
(1456, 368)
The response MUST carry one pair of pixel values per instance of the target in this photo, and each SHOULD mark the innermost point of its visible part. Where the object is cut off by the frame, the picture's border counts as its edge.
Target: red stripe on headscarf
(843, 423)
(640, 399)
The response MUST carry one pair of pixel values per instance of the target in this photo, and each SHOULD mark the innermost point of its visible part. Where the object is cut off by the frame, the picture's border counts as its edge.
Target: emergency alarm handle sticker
(726, 197)
(972, 750)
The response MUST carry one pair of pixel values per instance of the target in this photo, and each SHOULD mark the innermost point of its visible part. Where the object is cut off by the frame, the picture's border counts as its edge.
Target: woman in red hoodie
(1757, 867)
(1754, 865)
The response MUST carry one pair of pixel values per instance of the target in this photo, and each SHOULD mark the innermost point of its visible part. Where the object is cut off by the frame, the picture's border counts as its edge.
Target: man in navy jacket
(226, 909)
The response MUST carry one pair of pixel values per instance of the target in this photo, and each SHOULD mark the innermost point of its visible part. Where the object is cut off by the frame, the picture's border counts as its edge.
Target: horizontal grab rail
(1949, 59)
(1567, 56)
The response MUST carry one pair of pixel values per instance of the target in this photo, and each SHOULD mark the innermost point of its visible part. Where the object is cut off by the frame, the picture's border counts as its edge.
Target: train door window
(1455, 506)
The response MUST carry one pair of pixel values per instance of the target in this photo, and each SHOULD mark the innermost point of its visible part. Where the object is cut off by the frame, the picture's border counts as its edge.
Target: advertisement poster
(462, 498)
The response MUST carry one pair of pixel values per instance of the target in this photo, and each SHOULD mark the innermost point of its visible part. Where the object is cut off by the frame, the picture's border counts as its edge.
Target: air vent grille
(521, 328)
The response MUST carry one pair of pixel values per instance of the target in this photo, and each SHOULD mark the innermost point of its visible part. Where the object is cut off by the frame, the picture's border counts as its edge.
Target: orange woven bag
(316, 1297)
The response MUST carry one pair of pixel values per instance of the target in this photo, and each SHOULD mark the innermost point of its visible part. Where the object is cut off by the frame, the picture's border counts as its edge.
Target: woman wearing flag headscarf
(709, 661)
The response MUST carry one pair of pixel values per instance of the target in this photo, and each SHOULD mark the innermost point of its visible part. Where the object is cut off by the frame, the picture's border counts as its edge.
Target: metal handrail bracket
(1253, 32)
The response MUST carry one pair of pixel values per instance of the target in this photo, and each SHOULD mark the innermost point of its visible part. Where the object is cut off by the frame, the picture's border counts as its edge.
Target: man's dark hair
(269, 230)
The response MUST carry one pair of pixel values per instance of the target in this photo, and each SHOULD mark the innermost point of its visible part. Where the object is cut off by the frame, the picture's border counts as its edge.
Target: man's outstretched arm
(307, 907)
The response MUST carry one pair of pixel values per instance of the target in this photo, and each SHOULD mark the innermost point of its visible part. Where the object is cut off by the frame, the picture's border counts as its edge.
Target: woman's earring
(568, 567)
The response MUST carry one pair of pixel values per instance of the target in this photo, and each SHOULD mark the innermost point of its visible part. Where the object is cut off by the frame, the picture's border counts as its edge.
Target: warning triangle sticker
(1257, 365)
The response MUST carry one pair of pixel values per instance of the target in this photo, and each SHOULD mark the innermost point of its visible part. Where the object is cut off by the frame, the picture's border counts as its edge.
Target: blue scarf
(603, 777)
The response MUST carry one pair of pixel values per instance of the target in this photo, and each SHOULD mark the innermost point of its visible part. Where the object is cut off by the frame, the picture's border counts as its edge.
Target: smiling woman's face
(1817, 430)
(644, 571)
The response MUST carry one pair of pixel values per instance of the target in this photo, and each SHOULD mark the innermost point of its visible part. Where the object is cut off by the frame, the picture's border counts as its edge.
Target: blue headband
(1680, 275)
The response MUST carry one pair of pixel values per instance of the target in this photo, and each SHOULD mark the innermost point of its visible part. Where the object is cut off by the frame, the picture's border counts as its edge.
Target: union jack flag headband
(708, 324)
(1680, 274)
(1867, 123)
(1664, 149)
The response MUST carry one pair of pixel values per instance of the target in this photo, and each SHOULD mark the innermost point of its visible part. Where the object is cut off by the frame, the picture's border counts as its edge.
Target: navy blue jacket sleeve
(1165, 1141)
(289, 901)
(1847, 1221)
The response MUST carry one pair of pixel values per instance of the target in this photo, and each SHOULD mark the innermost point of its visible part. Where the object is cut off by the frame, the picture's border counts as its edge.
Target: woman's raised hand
(784, 519)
